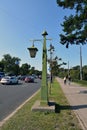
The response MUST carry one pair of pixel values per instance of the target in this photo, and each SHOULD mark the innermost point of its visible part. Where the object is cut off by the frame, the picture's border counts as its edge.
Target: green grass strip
(81, 82)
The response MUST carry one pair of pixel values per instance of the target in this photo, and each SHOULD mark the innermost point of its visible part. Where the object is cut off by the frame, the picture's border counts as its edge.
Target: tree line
(74, 72)
(10, 65)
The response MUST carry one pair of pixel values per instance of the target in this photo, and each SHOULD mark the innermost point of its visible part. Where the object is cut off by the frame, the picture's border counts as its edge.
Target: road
(11, 96)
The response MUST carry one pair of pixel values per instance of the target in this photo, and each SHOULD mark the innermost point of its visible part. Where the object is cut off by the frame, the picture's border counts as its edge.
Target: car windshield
(7, 77)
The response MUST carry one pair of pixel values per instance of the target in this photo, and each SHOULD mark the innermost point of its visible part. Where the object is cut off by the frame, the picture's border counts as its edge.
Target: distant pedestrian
(64, 80)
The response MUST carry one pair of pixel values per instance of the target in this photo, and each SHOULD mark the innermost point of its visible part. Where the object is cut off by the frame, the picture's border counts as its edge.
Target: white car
(9, 80)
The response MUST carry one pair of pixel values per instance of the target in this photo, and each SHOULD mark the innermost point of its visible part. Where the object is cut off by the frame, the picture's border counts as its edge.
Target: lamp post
(50, 61)
(44, 87)
(51, 49)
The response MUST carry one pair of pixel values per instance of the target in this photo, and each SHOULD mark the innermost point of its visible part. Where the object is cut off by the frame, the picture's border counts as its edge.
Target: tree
(1, 66)
(32, 70)
(74, 26)
(9, 64)
(84, 72)
(24, 69)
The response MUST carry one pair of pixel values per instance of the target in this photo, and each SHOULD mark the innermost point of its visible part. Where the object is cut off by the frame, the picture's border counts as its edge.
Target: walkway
(77, 98)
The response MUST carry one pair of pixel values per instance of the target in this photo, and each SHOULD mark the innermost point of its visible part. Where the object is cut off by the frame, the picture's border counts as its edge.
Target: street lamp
(50, 61)
(33, 50)
(44, 87)
(51, 49)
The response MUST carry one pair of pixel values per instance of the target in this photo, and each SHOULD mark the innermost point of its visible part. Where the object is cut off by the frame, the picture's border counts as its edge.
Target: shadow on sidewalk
(79, 107)
(59, 108)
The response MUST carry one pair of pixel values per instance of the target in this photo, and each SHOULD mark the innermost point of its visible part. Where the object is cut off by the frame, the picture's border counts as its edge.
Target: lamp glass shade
(32, 51)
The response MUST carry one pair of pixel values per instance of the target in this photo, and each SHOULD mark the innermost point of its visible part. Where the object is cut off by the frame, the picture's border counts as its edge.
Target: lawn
(81, 82)
(63, 118)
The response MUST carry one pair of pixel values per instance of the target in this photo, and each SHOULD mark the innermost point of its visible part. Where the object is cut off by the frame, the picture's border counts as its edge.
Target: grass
(62, 119)
(81, 82)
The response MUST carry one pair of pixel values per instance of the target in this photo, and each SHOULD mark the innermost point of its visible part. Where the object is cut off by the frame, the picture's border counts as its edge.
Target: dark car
(29, 79)
(22, 77)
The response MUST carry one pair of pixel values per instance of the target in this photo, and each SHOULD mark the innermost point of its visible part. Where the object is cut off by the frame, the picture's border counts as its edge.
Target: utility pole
(68, 69)
(80, 63)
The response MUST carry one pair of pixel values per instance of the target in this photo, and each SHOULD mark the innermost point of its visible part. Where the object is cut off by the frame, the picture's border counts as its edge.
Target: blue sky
(23, 20)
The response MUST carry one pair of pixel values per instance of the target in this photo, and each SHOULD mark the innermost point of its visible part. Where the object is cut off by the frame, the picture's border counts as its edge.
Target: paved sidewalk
(77, 98)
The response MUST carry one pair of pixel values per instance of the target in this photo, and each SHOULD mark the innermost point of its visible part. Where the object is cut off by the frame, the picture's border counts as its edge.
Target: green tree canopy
(1, 66)
(9, 63)
(25, 69)
(74, 26)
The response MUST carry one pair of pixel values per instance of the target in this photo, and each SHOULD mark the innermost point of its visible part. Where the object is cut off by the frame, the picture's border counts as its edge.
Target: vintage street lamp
(44, 87)
(33, 50)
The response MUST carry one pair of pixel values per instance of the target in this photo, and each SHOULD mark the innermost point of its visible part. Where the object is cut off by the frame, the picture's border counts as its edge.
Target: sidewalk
(77, 98)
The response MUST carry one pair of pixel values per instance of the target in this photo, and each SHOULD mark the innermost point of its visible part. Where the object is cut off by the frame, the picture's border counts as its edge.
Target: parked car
(29, 79)
(9, 80)
(22, 77)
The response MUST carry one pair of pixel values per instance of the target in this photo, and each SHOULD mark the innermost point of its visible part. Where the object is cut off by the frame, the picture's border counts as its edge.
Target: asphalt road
(11, 96)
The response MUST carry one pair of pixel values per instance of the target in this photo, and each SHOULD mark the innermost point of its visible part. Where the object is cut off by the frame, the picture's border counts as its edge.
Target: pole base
(47, 108)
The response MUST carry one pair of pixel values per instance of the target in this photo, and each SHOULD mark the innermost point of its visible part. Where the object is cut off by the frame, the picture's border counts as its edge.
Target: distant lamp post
(50, 61)
(51, 50)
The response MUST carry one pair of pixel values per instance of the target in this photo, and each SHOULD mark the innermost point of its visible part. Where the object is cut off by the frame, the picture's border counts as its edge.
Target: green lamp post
(44, 87)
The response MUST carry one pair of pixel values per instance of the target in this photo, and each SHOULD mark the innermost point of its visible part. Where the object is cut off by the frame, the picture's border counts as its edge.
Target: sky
(22, 21)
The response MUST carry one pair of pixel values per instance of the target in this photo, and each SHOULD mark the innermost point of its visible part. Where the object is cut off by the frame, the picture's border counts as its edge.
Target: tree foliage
(74, 26)
(25, 69)
(74, 72)
(9, 64)
(1, 66)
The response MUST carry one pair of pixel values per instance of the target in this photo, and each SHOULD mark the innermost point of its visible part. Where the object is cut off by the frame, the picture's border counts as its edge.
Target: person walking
(64, 80)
